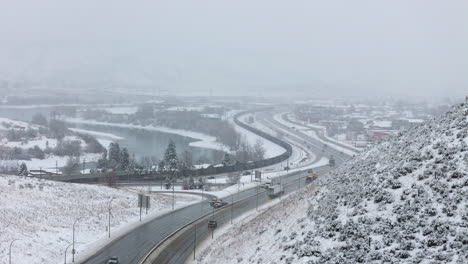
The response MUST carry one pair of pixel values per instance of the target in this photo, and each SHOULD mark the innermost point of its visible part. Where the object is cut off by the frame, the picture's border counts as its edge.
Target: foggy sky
(242, 47)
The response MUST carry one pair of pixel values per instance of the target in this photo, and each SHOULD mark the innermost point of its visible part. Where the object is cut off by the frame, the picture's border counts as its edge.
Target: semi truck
(274, 190)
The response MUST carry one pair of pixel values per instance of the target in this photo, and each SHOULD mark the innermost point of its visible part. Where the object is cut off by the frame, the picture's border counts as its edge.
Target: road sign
(143, 201)
(258, 175)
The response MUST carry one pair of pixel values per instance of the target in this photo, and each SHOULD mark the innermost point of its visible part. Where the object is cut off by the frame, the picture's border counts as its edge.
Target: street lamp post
(66, 252)
(73, 242)
(173, 193)
(110, 214)
(9, 252)
(256, 202)
(201, 204)
(232, 202)
(194, 240)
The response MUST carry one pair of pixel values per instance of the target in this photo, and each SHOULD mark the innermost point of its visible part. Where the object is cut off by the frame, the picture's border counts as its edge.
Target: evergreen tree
(170, 157)
(200, 183)
(23, 171)
(102, 162)
(226, 160)
(161, 166)
(191, 183)
(114, 155)
(39, 119)
(124, 159)
(186, 160)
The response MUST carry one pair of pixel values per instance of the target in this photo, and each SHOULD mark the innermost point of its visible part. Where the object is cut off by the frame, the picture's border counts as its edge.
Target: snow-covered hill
(41, 213)
(402, 201)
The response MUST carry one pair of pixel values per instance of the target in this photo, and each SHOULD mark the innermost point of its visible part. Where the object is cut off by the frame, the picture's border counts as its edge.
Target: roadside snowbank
(41, 213)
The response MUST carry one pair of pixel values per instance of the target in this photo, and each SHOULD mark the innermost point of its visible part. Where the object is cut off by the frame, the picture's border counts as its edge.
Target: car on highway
(311, 177)
(217, 203)
(246, 173)
(113, 260)
(211, 177)
(212, 224)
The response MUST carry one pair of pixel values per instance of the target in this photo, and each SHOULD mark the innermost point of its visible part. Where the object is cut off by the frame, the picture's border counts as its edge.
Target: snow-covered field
(41, 213)
(6, 123)
(402, 201)
(203, 140)
(122, 110)
(50, 161)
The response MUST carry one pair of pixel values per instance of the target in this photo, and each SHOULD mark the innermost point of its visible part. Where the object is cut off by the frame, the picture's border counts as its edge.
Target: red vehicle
(311, 177)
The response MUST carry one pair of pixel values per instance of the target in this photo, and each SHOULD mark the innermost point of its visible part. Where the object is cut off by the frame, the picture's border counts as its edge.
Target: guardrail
(155, 176)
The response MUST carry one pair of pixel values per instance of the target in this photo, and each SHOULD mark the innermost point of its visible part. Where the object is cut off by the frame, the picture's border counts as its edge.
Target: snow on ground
(7, 123)
(243, 233)
(313, 134)
(122, 110)
(204, 141)
(41, 213)
(271, 149)
(186, 108)
(324, 132)
(95, 133)
(402, 201)
(51, 160)
(41, 142)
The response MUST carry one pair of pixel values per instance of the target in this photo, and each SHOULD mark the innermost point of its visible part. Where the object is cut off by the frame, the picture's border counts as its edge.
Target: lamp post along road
(9, 252)
(232, 202)
(73, 242)
(66, 252)
(110, 215)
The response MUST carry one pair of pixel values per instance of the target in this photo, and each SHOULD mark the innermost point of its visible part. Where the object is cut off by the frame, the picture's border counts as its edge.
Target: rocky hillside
(402, 201)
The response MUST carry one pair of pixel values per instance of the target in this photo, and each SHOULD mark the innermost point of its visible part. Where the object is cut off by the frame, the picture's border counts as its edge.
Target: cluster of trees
(116, 158)
(189, 184)
(247, 152)
(20, 134)
(17, 153)
(189, 120)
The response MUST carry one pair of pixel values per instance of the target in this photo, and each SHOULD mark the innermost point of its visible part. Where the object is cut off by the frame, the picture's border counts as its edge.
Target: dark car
(246, 173)
(217, 203)
(212, 224)
(113, 260)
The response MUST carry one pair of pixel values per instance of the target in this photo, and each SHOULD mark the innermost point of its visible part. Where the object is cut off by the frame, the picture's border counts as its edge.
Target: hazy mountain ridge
(402, 201)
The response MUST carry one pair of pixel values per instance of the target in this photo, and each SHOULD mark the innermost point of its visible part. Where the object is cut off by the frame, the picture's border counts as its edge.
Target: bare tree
(258, 150)
(233, 177)
(110, 178)
(186, 159)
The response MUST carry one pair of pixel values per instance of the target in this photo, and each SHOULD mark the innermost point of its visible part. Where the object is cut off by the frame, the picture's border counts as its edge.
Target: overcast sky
(250, 47)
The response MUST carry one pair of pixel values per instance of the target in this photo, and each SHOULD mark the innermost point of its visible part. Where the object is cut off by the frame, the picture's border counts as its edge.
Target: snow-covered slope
(41, 213)
(402, 201)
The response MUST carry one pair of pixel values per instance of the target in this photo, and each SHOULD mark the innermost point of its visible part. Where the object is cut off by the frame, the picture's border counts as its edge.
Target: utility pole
(84, 162)
(56, 167)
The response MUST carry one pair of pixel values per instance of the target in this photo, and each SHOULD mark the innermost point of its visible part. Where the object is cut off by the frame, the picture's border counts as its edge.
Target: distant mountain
(402, 201)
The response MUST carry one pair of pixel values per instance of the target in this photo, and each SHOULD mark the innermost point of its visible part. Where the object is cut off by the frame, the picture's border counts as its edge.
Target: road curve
(180, 245)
